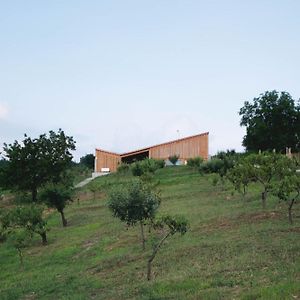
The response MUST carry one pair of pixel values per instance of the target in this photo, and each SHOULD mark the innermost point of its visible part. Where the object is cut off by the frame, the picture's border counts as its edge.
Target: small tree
(240, 177)
(27, 217)
(19, 238)
(288, 190)
(173, 159)
(93, 187)
(134, 203)
(263, 168)
(57, 196)
(171, 225)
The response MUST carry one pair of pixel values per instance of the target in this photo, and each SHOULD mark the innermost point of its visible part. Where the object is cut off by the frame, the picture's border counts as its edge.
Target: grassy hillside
(234, 249)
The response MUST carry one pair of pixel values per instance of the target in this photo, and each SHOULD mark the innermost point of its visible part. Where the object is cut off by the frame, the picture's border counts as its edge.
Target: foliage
(57, 196)
(195, 162)
(240, 176)
(29, 217)
(34, 162)
(93, 187)
(272, 121)
(19, 238)
(147, 165)
(173, 224)
(88, 160)
(134, 203)
(288, 188)
(173, 159)
(123, 168)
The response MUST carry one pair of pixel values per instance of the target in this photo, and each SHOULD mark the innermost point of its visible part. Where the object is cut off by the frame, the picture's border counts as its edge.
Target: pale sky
(125, 74)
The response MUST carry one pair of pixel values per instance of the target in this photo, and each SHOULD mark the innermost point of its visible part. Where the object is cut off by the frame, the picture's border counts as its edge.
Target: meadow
(233, 250)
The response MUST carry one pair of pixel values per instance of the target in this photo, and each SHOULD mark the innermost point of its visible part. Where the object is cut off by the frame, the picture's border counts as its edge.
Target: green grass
(234, 249)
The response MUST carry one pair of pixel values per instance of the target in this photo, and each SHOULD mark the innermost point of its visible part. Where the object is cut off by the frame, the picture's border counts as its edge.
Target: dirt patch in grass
(228, 224)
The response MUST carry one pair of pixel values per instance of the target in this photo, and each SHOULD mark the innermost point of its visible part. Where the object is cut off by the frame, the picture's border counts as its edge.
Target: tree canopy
(34, 162)
(88, 160)
(272, 121)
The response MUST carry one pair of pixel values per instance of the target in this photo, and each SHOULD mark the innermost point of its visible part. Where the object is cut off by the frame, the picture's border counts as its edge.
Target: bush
(195, 162)
(123, 168)
(173, 159)
(147, 165)
(212, 166)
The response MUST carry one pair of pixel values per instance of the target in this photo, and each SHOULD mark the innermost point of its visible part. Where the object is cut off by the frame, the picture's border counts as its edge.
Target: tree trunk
(151, 258)
(263, 199)
(34, 195)
(64, 221)
(21, 257)
(44, 238)
(142, 235)
(290, 211)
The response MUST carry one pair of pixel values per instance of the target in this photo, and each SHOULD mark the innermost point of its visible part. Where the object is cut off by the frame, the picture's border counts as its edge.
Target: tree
(173, 159)
(173, 225)
(134, 203)
(19, 238)
(57, 196)
(272, 122)
(34, 162)
(88, 160)
(93, 187)
(287, 187)
(29, 217)
(263, 169)
(240, 176)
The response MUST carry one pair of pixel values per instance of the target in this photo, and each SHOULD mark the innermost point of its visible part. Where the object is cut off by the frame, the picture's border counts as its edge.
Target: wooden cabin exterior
(188, 147)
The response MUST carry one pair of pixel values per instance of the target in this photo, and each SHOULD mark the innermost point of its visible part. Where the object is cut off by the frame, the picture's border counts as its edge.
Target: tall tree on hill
(34, 162)
(88, 160)
(272, 122)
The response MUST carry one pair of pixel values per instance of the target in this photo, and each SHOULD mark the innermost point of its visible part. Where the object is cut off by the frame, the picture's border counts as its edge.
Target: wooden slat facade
(186, 148)
(106, 159)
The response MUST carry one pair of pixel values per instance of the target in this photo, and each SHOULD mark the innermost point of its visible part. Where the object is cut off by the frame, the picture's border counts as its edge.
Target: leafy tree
(19, 238)
(34, 162)
(134, 203)
(240, 176)
(173, 159)
(287, 187)
(263, 169)
(29, 217)
(93, 187)
(88, 160)
(57, 196)
(272, 121)
(172, 225)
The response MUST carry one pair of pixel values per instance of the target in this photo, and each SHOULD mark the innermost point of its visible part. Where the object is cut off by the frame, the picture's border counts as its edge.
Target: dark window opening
(135, 157)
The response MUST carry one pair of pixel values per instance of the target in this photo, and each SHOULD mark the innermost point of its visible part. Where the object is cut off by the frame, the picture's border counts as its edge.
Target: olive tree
(29, 217)
(133, 204)
(57, 196)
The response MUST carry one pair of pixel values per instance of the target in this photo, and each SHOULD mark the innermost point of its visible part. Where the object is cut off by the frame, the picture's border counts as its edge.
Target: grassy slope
(233, 250)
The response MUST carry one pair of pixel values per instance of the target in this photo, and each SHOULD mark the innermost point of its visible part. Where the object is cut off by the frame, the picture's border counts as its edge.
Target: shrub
(195, 162)
(173, 159)
(123, 168)
(147, 165)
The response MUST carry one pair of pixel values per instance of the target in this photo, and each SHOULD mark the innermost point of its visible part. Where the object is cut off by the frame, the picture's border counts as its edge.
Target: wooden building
(188, 147)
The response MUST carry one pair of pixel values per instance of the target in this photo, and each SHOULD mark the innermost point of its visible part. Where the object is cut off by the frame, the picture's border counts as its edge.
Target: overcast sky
(125, 74)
